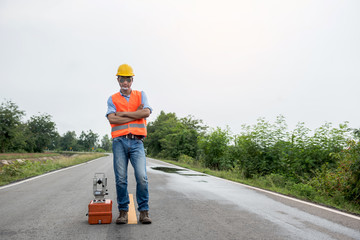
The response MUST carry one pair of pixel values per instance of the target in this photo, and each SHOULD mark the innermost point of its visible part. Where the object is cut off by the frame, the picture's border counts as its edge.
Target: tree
(42, 133)
(356, 133)
(183, 139)
(106, 143)
(69, 141)
(164, 125)
(10, 125)
(215, 146)
(88, 141)
(170, 137)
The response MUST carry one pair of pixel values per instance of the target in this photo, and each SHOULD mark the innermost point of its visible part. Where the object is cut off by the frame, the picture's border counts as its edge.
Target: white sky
(226, 62)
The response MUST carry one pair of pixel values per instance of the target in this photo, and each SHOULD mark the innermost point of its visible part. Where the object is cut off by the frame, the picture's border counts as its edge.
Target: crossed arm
(125, 117)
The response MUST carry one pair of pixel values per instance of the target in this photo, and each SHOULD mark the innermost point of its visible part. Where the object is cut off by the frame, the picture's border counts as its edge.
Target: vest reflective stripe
(136, 127)
(119, 128)
(133, 125)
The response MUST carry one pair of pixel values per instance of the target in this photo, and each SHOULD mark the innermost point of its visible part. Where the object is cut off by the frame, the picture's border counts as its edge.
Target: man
(127, 113)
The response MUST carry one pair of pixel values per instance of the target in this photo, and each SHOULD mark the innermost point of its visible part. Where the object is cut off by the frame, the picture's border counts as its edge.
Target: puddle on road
(192, 174)
(175, 170)
(168, 169)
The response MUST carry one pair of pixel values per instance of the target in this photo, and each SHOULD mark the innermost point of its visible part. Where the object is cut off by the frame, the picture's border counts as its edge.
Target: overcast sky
(226, 62)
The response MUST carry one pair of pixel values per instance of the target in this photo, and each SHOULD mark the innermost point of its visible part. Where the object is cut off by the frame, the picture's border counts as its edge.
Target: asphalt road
(183, 205)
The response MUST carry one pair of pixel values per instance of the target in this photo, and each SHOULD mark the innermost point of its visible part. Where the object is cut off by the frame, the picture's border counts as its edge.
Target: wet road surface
(183, 205)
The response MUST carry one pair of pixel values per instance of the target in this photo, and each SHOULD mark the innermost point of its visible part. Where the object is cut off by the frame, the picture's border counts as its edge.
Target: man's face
(125, 82)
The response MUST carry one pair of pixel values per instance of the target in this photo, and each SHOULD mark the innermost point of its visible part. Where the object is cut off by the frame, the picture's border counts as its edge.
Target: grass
(12, 156)
(277, 183)
(22, 170)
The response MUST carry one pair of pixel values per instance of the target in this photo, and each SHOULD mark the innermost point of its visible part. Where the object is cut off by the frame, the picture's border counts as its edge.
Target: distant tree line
(327, 160)
(39, 134)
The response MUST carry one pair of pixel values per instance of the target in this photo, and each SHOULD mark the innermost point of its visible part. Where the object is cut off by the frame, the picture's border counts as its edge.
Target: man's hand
(140, 107)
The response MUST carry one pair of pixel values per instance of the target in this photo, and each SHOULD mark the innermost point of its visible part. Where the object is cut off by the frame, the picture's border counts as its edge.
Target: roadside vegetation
(39, 134)
(321, 166)
(11, 156)
(33, 147)
(30, 165)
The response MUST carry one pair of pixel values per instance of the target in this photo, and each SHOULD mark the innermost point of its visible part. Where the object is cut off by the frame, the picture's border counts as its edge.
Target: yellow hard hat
(125, 70)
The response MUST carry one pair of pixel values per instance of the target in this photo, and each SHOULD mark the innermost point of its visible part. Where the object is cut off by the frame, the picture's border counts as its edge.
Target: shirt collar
(125, 95)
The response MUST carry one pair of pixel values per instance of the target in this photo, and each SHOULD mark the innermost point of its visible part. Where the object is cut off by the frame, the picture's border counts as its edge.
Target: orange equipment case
(100, 212)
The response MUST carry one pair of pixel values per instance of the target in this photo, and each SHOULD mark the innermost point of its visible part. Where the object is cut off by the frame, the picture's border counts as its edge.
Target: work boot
(123, 217)
(144, 217)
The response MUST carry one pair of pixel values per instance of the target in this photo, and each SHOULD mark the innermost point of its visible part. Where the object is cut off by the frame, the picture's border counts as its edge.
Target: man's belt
(131, 136)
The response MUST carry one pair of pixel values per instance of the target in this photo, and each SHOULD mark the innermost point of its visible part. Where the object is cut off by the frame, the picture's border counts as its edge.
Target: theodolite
(100, 209)
(100, 187)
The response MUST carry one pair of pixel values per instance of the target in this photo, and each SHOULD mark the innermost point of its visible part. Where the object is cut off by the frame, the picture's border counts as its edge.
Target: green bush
(259, 150)
(186, 159)
(265, 148)
(214, 147)
(100, 150)
(352, 153)
(169, 137)
(343, 180)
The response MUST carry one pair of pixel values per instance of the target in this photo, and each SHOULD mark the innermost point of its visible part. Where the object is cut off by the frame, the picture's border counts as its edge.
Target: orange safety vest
(136, 127)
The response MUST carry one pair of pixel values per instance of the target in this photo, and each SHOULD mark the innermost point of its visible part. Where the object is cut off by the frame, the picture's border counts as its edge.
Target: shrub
(215, 148)
(100, 150)
(186, 159)
(344, 178)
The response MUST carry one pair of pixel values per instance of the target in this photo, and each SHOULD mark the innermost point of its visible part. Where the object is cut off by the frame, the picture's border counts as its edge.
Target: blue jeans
(125, 149)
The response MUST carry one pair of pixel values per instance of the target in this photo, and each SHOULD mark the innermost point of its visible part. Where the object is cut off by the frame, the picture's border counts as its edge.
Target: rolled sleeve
(111, 107)
(144, 101)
